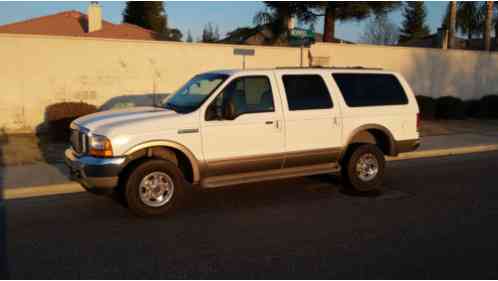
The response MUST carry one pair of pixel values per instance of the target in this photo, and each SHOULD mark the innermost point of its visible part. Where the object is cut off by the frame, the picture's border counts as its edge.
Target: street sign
(299, 33)
(243, 52)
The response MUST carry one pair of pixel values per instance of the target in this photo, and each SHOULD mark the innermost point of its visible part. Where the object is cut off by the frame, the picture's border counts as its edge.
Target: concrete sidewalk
(47, 179)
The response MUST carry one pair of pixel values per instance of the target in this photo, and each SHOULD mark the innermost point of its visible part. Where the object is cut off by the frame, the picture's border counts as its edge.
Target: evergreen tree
(146, 14)
(414, 25)
(189, 37)
(210, 34)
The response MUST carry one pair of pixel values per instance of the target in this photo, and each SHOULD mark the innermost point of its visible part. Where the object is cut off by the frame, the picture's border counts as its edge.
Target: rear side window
(360, 89)
(306, 92)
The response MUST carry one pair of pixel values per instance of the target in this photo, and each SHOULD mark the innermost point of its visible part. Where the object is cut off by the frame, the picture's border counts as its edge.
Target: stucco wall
(37, 71)
(431, 72)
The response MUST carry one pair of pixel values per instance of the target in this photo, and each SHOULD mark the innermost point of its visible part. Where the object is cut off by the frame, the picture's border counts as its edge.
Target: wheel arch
(170, 150)
(373, 134)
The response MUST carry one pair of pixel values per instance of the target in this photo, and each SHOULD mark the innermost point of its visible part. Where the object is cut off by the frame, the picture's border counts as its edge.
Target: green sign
(299, 33)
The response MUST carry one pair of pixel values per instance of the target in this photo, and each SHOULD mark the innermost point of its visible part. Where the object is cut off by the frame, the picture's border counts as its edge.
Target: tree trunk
(487, 25)
(452, 25)
(496, 34)
(329, 24)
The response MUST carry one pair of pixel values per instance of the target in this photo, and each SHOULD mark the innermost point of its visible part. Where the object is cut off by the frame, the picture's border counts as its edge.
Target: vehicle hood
(131, 120)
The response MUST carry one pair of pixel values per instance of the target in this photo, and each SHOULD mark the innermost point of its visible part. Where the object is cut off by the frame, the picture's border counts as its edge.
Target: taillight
(418, 121)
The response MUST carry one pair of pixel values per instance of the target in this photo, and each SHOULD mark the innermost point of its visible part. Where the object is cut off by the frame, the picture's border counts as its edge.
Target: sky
(227, 15)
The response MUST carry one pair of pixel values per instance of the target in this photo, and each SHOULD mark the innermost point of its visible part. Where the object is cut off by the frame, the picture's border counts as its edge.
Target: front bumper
(92, 172)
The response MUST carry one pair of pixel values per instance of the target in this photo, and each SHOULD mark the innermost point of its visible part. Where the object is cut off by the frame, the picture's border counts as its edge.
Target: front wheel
(363, 168)
(154, 187)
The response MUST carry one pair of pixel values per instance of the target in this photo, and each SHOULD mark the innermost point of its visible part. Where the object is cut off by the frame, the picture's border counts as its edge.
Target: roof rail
(328, 67)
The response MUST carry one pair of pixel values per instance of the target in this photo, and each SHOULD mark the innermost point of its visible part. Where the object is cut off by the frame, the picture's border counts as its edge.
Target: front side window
(306, 92)
(243, 95)
(363, 89)
(191, 96)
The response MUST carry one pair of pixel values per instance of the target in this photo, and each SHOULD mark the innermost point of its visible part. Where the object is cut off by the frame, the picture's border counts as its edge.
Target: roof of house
(75, 23)
(433, 41)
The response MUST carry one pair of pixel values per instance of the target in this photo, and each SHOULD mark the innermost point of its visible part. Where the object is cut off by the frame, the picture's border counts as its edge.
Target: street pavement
(437, 219)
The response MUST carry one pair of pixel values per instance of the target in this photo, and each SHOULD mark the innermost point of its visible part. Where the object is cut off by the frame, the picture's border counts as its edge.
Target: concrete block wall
(37, 71)
(430, 72)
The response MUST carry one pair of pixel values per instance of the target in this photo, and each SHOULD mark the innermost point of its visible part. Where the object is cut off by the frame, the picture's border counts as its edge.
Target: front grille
(78, 140)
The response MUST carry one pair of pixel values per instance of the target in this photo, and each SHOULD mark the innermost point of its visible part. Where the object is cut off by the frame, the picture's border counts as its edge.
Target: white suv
(238, 126)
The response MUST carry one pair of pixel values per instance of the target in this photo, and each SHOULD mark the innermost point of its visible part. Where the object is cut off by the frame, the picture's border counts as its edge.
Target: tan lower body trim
(271, 162)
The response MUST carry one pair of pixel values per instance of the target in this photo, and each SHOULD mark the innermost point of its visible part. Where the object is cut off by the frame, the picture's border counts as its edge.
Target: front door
(242, 128)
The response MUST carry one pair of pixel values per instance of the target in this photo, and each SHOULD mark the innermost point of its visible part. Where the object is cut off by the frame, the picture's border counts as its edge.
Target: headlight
(99, 146)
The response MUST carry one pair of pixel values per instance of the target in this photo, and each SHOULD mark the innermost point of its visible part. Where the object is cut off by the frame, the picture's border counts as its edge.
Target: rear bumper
(407, 145)
(92, 172)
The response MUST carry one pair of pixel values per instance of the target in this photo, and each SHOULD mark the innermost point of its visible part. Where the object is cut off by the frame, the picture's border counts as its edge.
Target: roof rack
(329, 67)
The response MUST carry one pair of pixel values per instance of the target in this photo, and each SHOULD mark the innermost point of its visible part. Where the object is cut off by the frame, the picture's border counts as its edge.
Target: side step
(225, 180)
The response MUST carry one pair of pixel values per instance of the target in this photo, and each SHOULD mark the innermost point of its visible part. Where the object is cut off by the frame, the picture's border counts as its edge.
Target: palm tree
(487, 25)
(452, 24)
(278, 16)
(470, 18)
(345, 11)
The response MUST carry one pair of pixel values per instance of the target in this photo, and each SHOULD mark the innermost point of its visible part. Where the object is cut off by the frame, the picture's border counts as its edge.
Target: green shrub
(448, 107)
(472, 108)
(60, 115)
(488, 107)
(427, 107)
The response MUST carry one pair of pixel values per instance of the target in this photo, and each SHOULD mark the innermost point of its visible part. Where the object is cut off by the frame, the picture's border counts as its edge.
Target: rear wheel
(154, 187)
(363, 168)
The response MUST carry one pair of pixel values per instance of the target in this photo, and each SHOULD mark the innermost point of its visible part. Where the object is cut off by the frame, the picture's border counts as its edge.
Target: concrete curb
(444, 152)
(73, 187)
(44, 190)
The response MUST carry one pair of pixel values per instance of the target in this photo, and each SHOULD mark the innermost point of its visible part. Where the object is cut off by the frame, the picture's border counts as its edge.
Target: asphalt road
(438, 219)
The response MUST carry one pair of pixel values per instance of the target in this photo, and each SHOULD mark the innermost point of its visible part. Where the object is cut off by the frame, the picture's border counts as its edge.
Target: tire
(363, 179)
(148, 181)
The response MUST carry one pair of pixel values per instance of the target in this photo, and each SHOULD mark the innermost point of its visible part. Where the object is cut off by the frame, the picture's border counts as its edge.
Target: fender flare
(196, 165)
(392, 142)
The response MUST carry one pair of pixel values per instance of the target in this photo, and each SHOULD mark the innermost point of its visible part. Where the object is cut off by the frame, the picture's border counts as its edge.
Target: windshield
(191, 96)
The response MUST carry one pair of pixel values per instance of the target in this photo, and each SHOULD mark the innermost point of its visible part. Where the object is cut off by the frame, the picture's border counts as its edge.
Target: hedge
(60, 115)
(427, 107)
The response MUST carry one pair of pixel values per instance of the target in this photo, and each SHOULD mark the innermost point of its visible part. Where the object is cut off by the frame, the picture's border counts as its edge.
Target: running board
(234, 179)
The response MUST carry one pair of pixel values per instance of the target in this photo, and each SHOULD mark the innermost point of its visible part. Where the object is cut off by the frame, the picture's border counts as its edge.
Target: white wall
(37, 71)
(431, 72)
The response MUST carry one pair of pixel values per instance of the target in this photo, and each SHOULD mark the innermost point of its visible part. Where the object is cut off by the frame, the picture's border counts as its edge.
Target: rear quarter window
(364, 89)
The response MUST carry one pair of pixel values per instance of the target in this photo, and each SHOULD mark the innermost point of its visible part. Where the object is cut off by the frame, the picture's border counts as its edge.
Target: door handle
(269, 122)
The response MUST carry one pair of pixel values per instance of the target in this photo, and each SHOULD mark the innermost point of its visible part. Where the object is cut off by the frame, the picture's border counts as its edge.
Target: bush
(488, 107)
(60, 115)
(427, 107)
(472, 108)
(450, 108)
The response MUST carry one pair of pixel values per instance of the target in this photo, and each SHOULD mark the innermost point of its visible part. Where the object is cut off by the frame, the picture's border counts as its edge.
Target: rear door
(312, 119)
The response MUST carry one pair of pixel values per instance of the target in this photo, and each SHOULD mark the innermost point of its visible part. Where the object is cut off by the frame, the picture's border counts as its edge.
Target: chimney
(94, 16)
